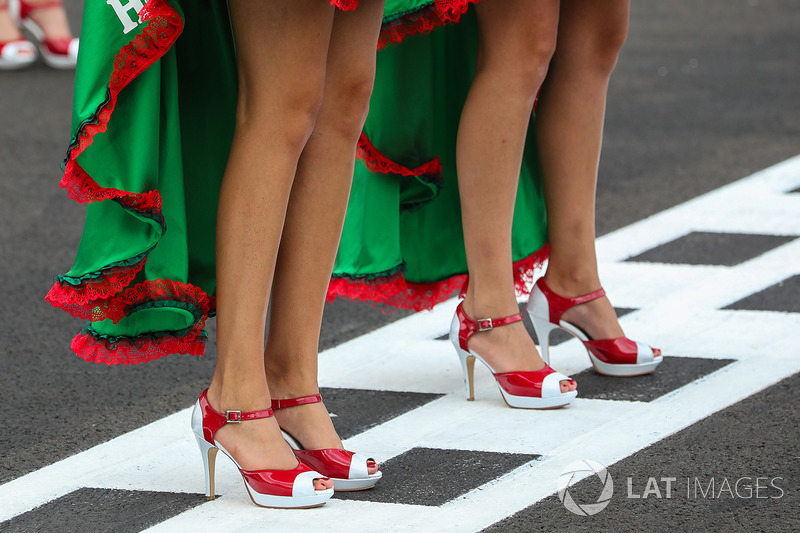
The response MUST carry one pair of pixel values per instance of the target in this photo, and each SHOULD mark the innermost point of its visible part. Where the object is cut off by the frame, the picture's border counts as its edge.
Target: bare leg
(517, 38)
(570, 129)
(281, 54)
(8, 30)
(51, 18)
(314, 222)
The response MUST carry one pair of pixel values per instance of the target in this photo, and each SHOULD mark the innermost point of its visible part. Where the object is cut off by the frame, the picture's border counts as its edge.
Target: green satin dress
(403, 244)
(153, 119)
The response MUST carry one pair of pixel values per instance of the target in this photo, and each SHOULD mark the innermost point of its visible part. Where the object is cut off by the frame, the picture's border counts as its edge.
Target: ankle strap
(26, 8)
(243, 416)
(41, 5)
(558, 304)
(213, 419)
(469, 327)
(292, 402)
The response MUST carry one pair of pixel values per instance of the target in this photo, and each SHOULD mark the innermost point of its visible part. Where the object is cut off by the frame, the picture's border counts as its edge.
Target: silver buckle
(481, 323)
(235, 419)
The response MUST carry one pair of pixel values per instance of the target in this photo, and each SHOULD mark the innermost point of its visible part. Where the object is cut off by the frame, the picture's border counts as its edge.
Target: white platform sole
(348, 485)
(209, 453)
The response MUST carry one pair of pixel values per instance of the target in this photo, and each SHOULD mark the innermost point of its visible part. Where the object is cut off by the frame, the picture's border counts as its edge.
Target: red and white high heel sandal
(348, 470)
(540, 389)
(59, 53)
(285, 489)
(16, 53)
(620, 357)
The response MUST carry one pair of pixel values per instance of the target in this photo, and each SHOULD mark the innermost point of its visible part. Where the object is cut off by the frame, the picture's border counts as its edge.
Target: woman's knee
(607, 44)
(593, 39)
(517, 41)
(289, 114)
(518, 73)
(348, 102)
(533, 69)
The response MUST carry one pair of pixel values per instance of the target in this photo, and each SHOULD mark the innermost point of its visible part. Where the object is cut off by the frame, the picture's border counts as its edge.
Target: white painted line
(113, 459)
(679, 309)
(750, 199)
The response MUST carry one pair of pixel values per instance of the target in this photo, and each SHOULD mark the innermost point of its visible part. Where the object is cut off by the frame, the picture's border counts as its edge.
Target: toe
(568, 385)
(372, 467)
(323, 483)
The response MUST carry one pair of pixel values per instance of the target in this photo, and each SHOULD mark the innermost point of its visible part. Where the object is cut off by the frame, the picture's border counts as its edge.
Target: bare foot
(596, 318)
(509, 348)
(257, 444)
(51, 18)
(8, 30)
(311, 426)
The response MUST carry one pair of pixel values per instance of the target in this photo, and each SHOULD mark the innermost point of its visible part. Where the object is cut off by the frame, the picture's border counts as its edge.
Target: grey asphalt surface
(706, 92)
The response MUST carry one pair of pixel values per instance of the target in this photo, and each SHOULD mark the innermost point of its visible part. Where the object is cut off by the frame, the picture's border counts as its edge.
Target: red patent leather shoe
(540, 389)
(267, 488)
(17, 52)
(61, 53)
(348, 470)
(620, 357)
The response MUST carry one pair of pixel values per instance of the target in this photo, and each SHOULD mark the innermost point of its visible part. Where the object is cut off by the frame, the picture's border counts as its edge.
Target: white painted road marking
(678, 310)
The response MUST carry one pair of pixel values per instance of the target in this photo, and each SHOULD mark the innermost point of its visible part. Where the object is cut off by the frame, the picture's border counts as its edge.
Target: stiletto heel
(468, 368)
(209, 454)
(467, 361)
(285, 489)
(619, 357)
(348, 470)
(543, 331)
(538, 389)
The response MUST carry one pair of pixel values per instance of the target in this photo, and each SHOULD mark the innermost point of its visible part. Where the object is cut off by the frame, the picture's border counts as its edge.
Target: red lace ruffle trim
(525, 271)
(395, 291)
(424, 20)
(377, 162)
(140, 350)
(82, 300)
(83, 189)
(107, 296)
(89, 299)
(345, 5)
(93, 300)
(126, 351)
(163, 26)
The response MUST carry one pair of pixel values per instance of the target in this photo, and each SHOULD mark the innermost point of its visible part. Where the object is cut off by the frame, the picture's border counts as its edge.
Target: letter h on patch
(124, 11)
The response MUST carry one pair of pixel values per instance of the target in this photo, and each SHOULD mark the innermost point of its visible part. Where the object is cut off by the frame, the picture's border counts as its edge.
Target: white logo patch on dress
(124, 12)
